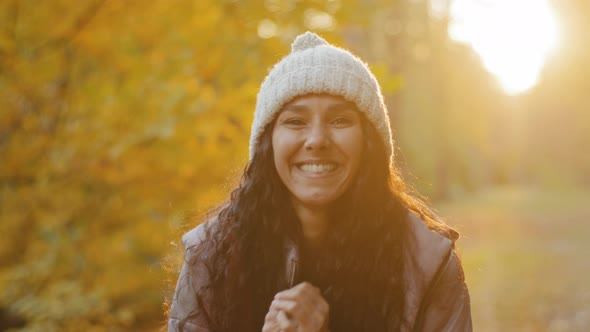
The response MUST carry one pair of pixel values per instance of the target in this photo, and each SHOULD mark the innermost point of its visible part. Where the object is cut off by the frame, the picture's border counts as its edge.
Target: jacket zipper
(293, 272)
(428, 293)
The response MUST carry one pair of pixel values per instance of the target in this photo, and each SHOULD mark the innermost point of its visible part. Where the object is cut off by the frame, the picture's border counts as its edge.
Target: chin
(317, 200)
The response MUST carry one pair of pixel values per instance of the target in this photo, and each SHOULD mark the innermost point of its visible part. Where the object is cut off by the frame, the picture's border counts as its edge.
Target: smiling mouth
(317, 169)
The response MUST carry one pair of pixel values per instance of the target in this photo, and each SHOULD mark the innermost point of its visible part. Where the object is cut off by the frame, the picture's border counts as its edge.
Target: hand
(298, 309)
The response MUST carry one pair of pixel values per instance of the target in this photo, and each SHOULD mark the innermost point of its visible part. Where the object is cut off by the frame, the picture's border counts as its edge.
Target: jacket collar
(425, 251)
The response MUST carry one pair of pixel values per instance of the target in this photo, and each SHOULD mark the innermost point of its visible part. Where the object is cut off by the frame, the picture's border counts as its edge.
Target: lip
(331, 173)
(316, 162)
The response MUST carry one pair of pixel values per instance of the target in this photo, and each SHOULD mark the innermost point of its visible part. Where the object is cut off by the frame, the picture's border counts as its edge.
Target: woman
(321, 234)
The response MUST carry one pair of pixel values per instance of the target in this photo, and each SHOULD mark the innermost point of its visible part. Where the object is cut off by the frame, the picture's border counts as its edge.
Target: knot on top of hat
(307, 40)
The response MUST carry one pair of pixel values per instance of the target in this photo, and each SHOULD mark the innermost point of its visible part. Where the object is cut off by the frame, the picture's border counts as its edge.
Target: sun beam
(513, 38)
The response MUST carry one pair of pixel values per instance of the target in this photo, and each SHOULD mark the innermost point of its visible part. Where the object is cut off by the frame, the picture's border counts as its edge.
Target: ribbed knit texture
(315, 67)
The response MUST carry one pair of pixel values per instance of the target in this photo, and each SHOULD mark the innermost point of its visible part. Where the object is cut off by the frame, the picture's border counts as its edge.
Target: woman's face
(317, 145)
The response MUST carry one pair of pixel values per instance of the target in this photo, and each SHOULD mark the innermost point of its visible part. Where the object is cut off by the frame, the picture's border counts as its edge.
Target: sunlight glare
(513, 38)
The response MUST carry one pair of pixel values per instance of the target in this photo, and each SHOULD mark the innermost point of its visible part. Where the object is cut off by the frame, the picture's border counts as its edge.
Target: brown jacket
(436, 295)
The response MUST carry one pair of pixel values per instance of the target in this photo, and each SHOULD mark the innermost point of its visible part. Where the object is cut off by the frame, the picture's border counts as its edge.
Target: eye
(342, 121)
(294, 122)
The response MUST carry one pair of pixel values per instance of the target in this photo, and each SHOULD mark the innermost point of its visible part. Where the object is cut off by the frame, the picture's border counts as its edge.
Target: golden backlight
(512, 37)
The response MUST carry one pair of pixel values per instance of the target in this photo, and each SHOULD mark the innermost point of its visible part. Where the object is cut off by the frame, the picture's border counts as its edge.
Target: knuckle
(292, 306)
(306, 285)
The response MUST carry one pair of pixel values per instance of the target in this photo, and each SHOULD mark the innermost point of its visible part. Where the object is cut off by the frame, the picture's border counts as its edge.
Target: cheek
(276, 151)
(282, 148)
(352, 145)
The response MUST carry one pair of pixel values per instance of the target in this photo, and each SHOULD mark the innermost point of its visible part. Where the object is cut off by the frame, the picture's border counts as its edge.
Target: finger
(299, 288)
(271, 323)
(271, 327)
(296, 312)
(305, 300)
(299, 314)
(303, 288)
(291, 308)
(283, 320)
(286, 324)
(304, 315)
(271, 315)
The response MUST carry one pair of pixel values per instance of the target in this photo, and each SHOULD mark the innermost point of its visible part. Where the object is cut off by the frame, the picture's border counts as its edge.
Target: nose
(318, 138)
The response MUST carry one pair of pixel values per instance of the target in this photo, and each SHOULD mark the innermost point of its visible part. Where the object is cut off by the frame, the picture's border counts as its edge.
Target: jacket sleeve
(446, 306)
(186, 313)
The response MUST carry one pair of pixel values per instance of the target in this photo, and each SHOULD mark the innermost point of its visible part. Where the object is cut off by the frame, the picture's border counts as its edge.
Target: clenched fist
(298, 309)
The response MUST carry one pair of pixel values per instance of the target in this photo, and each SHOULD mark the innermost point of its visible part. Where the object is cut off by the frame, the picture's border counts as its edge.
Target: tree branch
(81, 22)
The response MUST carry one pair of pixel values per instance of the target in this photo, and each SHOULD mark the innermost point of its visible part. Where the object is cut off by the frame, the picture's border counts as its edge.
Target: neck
(313, 222)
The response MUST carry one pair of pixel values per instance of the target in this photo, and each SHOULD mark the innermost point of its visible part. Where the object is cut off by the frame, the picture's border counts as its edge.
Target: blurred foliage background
(120, 118)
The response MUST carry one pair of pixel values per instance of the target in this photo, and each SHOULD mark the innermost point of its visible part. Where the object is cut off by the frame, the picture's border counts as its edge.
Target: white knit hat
(314, 66)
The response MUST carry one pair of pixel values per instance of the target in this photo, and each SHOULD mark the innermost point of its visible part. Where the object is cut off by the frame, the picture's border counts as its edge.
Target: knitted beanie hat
(315, 67)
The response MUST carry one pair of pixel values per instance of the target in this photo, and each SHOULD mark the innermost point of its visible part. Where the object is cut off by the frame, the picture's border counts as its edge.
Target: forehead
(319, 101)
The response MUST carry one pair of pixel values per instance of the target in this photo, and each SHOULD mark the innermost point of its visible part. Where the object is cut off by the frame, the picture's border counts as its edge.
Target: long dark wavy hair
(362, 258)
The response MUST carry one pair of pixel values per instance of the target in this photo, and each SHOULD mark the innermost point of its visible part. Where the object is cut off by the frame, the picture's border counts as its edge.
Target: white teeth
(317, 168)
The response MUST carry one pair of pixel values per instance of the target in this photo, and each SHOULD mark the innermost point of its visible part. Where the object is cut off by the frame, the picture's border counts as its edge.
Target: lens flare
(513, 38)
